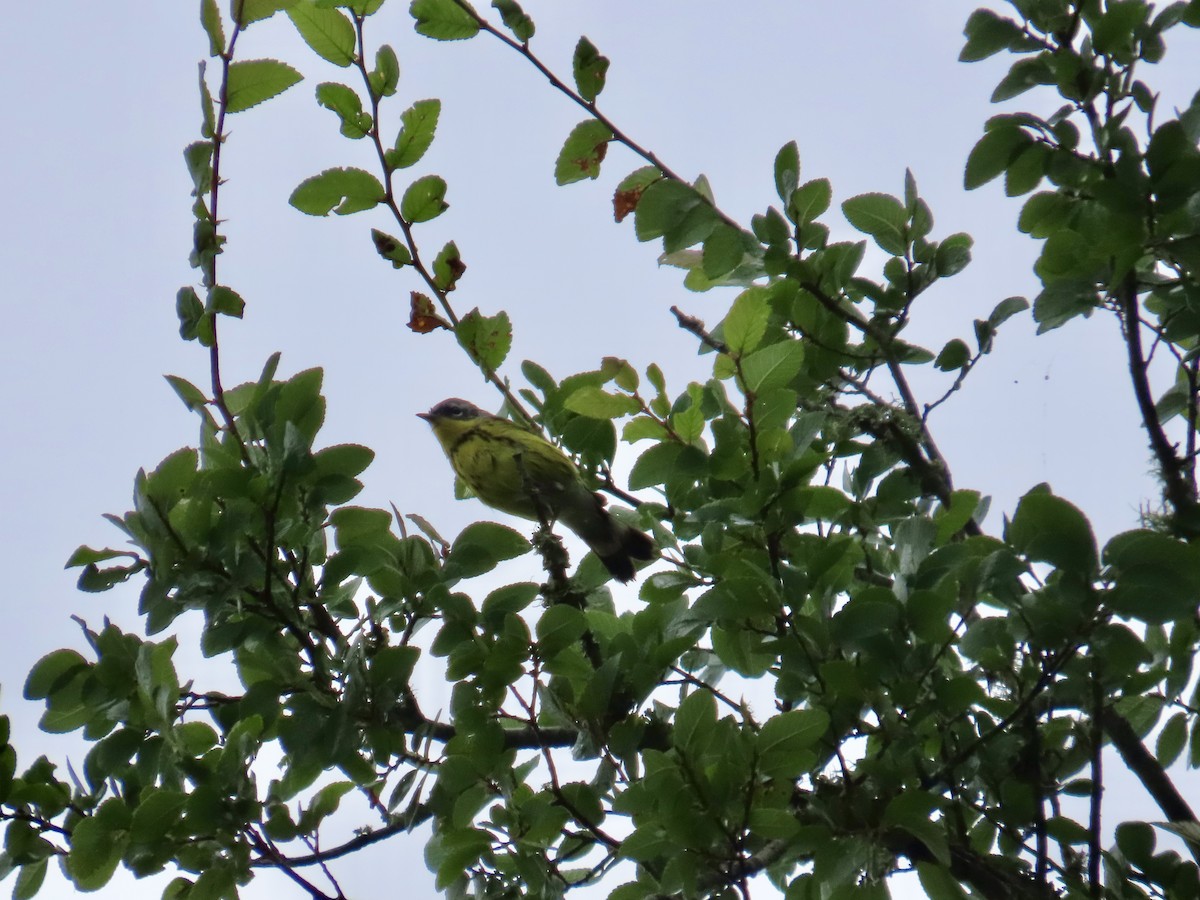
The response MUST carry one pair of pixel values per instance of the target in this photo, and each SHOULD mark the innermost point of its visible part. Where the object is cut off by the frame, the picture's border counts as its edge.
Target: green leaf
(418, 125)
(343, 459)
(30, 879)
(882, 217)
(348, 107)
(391, 249)
(1062, 301)
(1156, 578)
(52, 672)
(595, 403)
(809, 201)
(695, 720)
(247, 12)
(724, 250)
(746, 322)
(655, 466)
(480, 547)
(425, 199)
(773, 366)
(785, 742)
(954, 355)
(662, 207)
(1006, 309)
(343, 191)
(558, 628)
(85, 555)
(950, 519)
(1046, 528)
(787, 170)
(448, 267)
(590, 69)
(1025, 74)
(157, 812)
(1171, 740)
(443, 20)
(193, 398)
(506, 601)
(385, 77)
(953, 255)
(582, 152)
(96, 848)
(190, 311)
(210, 19)
(487, 339)
(225, 301)
(911, 810)
(988, 34)
(994, 152)
(515, 19)
(254, 81)
(328, 32)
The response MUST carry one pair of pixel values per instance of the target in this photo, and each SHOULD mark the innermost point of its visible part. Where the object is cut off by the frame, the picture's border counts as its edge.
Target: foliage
(940, 693)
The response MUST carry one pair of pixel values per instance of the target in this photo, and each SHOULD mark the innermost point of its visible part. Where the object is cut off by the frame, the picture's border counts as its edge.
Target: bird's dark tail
(632, 544)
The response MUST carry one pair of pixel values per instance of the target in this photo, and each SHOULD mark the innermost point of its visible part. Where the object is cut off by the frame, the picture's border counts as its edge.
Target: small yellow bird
(517, 471)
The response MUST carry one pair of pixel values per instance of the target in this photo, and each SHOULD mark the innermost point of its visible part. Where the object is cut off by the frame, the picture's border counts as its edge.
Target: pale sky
(102, 100)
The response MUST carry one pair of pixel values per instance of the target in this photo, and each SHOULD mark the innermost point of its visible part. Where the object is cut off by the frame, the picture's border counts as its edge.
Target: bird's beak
(426, 416)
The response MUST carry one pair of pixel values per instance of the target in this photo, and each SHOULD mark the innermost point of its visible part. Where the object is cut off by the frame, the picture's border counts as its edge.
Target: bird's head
(453, 409)
(452, 417)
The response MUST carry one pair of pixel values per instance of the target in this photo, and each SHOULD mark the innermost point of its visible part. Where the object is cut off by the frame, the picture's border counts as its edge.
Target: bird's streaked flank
(517, 471)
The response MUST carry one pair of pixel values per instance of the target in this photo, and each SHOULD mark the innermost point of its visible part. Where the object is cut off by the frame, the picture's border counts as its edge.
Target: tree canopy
(838, 671)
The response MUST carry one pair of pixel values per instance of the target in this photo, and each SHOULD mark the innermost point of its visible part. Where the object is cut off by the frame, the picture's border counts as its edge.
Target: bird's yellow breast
(508, 467)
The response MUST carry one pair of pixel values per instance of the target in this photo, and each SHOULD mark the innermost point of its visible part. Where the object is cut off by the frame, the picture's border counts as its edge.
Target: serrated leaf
(724, 250)
(515, 19)
(787, 170)
(785, 742)
(746, 322)
(1156, 578)
(418, 124)
(809, 201)
(424, 199)
(443, 20)
(386, 74)
(987, 34)
(328, 32)
(663, 205)
(953, 254)
(210, 19)
(392, 249)
(480, 547)
(192, 397)
(343, 191)
(1046, 528)
(954, 355)
(582, 152)
(559, 627)
(487, 339)
(448, 267)
(346, 103)
(589, 69)
(992, 154)
(247, 12)
(773, 366)
(225, 301)
(882, 217)
(1171, 740)
(595, 403)
(255, 81)
(1006, 309)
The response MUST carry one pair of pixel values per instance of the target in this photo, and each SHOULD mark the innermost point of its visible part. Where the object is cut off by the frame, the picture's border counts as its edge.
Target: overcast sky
(102, 100)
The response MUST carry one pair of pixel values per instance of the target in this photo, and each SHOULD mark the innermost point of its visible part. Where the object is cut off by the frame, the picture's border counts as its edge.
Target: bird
(517, 471)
